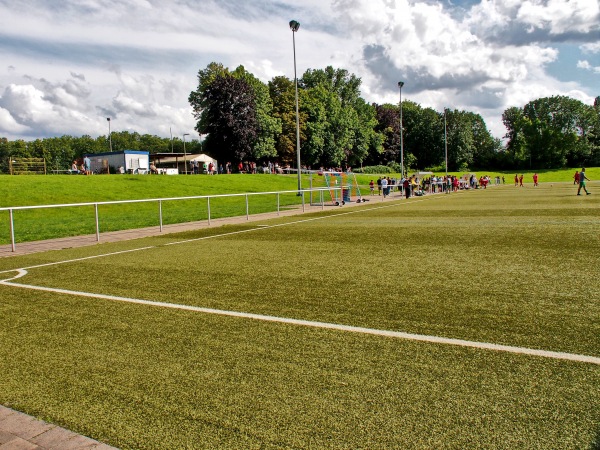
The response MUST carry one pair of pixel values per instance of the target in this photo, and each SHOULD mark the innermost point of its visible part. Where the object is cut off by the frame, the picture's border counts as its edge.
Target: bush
(392, 167)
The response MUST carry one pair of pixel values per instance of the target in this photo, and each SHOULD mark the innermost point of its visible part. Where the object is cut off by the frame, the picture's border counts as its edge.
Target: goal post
(27, 166)
(338, 187)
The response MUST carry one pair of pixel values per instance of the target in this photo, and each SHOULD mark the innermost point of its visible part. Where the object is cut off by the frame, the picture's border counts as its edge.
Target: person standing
(582, 179)
(521, 180)
(516, 180)
(379, 185)
(384, 188)
(87, 165)
(535, 179)
(372, 187)
(576, 177)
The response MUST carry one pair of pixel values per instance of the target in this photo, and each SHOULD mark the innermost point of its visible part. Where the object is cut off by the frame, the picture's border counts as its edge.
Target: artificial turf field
(511, 266)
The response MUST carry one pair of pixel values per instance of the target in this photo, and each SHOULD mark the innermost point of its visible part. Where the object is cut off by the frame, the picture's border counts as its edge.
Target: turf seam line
(325, 325)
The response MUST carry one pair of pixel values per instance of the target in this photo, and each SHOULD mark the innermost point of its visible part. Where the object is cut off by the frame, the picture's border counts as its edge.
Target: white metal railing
(12, 209)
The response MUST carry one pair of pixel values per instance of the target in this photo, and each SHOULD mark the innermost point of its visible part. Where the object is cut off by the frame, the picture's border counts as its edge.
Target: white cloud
(71, 64)
(587, 66)
(560, 16)
(9, 125)
(591, 47)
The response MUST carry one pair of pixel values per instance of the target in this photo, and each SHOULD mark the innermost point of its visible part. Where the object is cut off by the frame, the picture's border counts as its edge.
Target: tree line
(60, 152)
(240, 118)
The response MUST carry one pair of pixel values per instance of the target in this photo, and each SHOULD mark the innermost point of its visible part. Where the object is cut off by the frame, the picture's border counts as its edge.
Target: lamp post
(184, 153)
(294, 26)
(446, 141)
(400, 84)
(109, 135)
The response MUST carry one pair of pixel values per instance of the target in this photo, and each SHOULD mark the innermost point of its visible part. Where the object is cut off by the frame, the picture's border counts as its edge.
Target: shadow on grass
(596, 443)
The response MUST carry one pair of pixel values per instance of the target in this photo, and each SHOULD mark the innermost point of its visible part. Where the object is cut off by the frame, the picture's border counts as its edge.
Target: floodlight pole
(446, 141)
(109, 135)
(400, 84)
(294, 26)
(184, 154)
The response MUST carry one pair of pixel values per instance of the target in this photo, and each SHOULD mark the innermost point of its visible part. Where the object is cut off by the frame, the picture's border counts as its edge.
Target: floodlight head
(400, 84)
(108, 118)
(294, 25)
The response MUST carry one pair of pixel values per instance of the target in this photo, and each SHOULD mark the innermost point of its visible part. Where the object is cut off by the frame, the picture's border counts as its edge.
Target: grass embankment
(62, 189)
(508, 266)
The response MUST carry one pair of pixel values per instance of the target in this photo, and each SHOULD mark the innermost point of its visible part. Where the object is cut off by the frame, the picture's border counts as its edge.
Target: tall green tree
(514, 121)
(387, 126)
(347, 129)
(269, 126)
(283, 95)
(423, 134)
(460, 140)
(551, 132)
(225, 107)
(486, 148)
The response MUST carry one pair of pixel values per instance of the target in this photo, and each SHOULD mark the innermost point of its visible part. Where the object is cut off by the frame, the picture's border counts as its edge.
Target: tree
(423, 134)
(552, 132)
(366, 139)
(269, 126)
(516, 146)
(486, 148)
(345, 129)
(225, 108)
(387, 126)
(282, 92)
(460, 140)
(326, 136)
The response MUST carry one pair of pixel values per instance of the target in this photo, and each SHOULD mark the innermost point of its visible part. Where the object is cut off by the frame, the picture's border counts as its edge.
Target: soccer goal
(339, 188)
(27, 166)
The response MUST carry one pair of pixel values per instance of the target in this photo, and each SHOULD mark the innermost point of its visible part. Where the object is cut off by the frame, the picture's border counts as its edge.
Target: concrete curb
(19, 431)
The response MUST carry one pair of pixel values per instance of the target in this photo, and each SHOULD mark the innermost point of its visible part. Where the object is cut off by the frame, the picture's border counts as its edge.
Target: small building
(127, 161)
(181, 162)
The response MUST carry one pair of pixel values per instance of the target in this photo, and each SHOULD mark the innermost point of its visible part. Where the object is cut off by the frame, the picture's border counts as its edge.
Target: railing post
(303, 209)
(322, 201)
(208, 208)
(12, 230)
(247, 209)
(160, 218)
(278, 203)
(97, 223)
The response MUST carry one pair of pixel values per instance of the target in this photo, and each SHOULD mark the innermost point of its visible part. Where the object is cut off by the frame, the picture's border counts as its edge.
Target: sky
(67, 66)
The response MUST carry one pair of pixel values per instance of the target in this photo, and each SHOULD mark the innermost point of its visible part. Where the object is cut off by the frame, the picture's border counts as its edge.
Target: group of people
(408, 186)
(84, 168)
(519, 180)
(209, 168)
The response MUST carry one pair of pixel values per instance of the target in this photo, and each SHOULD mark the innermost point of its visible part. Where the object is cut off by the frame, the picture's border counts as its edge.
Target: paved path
(19, 431)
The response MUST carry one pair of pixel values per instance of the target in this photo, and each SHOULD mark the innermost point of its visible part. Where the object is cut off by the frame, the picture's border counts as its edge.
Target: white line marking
(329, 326)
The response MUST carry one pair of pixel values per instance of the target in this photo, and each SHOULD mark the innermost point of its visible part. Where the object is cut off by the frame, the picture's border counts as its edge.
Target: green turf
(515, 266)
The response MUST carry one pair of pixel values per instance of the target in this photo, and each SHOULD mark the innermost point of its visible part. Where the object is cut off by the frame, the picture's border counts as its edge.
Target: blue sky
(67, 66)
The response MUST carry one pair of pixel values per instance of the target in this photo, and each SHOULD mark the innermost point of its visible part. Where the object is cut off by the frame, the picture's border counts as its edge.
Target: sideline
(322, 325)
